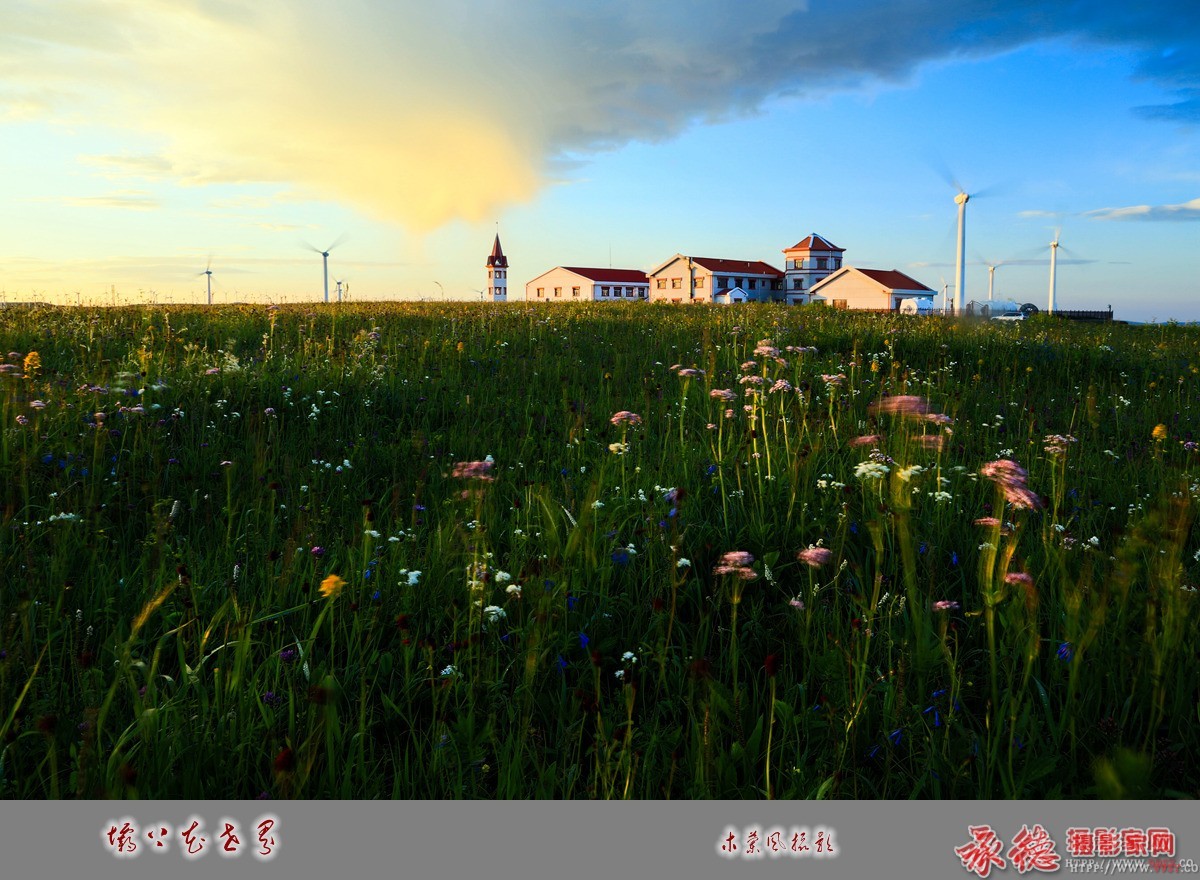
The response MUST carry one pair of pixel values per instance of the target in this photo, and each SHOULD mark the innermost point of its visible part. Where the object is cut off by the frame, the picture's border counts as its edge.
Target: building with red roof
(873, 289)
(807, 262)
(687, 279)
(577, 284)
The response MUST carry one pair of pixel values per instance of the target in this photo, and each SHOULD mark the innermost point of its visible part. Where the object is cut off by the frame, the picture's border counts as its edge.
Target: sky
(143, 141)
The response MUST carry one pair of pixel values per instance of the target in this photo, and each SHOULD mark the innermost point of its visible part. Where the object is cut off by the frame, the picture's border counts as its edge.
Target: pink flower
(1005, 471)
(625, 417)
(37, 404)
(939, 419)
(473, 470)
(815, 556)
(736, 563)
(866, 440)
(990, 521)
(902, 405)
(211, 371)
(932, 441)
(1019, 577)
(689, 373)
(1022, 498)
(797, 603)
(945, 605)
(725, 394)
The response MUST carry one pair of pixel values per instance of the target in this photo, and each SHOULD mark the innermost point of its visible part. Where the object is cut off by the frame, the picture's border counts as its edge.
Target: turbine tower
(992, 279)
(959, 277)
(1053, 266)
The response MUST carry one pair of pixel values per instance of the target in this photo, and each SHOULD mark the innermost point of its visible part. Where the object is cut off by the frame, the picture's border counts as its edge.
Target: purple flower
(288, 655)
(318, 552)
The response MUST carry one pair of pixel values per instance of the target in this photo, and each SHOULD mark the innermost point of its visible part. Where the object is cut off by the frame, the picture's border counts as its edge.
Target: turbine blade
(309, 246)
(341, 238)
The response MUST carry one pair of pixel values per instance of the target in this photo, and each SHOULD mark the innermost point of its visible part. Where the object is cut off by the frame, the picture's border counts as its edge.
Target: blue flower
(562, 664)
(571, 600)
(375, 596)
(583, 640)
(621, 557)
(1065, 652)
(953, 558)
(895, 736)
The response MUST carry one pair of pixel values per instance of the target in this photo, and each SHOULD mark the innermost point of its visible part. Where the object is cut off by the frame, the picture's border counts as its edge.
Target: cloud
(1168, 213)
(131, 199)
(422, 113)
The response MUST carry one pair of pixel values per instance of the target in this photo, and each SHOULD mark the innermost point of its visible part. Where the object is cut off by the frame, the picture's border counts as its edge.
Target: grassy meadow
(595, 551)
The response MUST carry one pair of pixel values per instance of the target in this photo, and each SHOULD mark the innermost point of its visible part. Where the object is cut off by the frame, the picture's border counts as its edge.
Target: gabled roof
(497, 259)
(894, 279)
(890, 279)
(736, 267)
(625, 276)
(815, 243)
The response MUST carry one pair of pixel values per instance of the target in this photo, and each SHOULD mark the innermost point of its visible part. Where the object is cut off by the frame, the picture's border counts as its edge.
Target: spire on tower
(497, 260)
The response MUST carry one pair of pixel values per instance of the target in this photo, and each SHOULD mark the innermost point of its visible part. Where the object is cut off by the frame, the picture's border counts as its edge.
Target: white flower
(494, 613)
(620, 673)
(687, 563)
(597, 504)
(450, 670)
(503, 577)
(629, 657)
(909, 472)
(413, 577)
(1094, 541)
(871, 470)
(371, 533)
(514, 590)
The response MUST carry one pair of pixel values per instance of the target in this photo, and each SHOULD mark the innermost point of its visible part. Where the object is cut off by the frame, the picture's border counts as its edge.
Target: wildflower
(901, 405)
(895, 736)
(797, 603)
(1065, 652)
(945, 605)
(815, 556)
(332, 586)
(473, 470)
(871, 470)
(725, 394)
(22, 420)
(288, 655)
(37, 404)
(624, 417)
(514, 590)
(771, 665)
(833, 381)
(1057, 444)
(939, 419)
(866, 440)
(629, 657)
(736, 563)
(683, 562)
(618, 448)
(1019, 577)
(33, 363)
(689, 373)
(1159, 433)
(494, 613)
(906, 474)
(449, 671)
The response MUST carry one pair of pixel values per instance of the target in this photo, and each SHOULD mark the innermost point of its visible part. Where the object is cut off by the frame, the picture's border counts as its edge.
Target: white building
(497, 273)
(577, 284)
(871, 289)
(805, 263)
(685, 279)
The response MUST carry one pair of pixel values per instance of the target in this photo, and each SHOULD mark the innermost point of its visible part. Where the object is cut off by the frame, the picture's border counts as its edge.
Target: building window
(541, 291)
(700, 283)
(604, 291)
(837, 262)
(797, 284)
(574, 291)
(777, 284)
(558, 291)
(752, 283)
(822, 263)
(676, 283)
(839, 304)
(660, 283)
(722, 283)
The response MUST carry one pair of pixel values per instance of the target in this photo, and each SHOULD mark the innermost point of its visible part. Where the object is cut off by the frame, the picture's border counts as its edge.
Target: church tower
(497, 270)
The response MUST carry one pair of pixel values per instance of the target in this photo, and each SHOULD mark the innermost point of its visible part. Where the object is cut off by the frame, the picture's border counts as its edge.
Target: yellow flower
(331, 586)
(33, 363)
(1159, 432)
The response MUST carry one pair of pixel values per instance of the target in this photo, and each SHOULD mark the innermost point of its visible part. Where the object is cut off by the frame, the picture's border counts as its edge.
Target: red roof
(815, 243)
(625, 276)
(497, 259)
(736, 267)
(894, 280)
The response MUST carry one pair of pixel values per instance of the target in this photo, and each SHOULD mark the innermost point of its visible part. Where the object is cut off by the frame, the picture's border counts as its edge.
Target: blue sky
(140, 140)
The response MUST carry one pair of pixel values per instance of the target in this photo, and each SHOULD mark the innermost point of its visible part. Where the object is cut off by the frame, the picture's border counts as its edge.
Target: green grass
(169, 515)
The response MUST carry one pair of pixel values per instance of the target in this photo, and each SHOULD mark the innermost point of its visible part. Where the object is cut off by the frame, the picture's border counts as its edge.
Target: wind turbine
(960, 260)
(1053, 266)
(339, 283)
(325, 260)
(208, 271)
